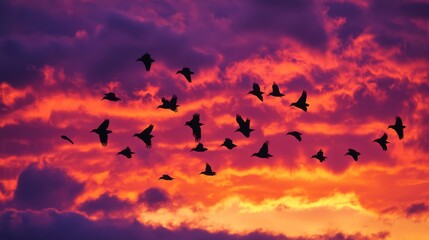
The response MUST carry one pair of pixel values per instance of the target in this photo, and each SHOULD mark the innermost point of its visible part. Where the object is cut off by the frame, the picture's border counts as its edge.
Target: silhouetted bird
(319, 156)
(382, 141)
(244, 127)
(196, 126)
(256, 91)
(276, 92)
(165, 177)
(208, 171)
(296, 134)
(103, 132)
(186, 72)
(172, 104)
(301, 103)
(199, 148)
(145, 136)
(228, 144)
(263, 151)
(147, 60)
(111, 97)
(67, 138)
(355, 154)
(126, 152)
(398, 127)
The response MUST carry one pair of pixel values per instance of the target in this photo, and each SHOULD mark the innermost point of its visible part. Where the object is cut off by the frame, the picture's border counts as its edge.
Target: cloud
(45, 187)
(105, 203)
(416, 209)
(154, 198)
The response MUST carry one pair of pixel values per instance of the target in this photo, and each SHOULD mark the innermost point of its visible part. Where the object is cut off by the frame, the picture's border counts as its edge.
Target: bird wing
(164, 101)
(276, 88)
(240, 120)
(147, 64)
(173, 100)
(264, 148)
(384, 137)
(103, 139)
(196, 118)
(148, 142)
(256, 87)
(303, 97)
(200, 145)
(398, 121)
(67, 138)
(196, 131)
(208, 168)
(104, 125)
(188, 76)
(148, 130)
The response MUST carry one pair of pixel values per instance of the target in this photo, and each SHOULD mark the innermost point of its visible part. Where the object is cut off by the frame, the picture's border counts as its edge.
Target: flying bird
(147, 60)
(382, 141)
(172, 104)
(196, 126)
(319, 156)
(256, 91)
(103, 132)
(186, 72)
(208, 171)
(145, 136)
(199, 148)
(301, 103)
(111, 97)
(228, 144)
(398, 127)
(276, 91)
(165, 177)
(244, 126)
(296, 134)
(126, 152)
(355, 154)
(67, 138)
(263, 151)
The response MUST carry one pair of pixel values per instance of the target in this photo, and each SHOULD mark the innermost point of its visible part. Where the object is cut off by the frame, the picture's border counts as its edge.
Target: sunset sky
(362, 63)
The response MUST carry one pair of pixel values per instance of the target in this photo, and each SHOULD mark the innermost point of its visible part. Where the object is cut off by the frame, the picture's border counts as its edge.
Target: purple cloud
(416, 209)
(154, 198)
(105, 203)
(45, 187)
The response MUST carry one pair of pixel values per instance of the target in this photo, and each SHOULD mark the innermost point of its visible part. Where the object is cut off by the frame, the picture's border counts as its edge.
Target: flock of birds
(243, 125)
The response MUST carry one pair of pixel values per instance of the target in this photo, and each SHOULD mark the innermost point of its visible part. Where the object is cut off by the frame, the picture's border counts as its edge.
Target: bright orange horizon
(361, 63)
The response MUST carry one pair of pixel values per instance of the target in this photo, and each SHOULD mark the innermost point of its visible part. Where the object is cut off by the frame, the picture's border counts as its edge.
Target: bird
(103, 132)
(355, 154)
(165, 177)
(199, 148)
(67, 138)
(196, 126)
(301, 103)
(319, 156)
(208, 171)
(145, 136)
(228, 144)
(276, 91)
(126, 152)
(398, 127)
(382, 141)
(186, 72)
(263, 151)
(111, 97)
(172, 104)
(296, 134)
(244, 126)
(257, 92)
(147, 60)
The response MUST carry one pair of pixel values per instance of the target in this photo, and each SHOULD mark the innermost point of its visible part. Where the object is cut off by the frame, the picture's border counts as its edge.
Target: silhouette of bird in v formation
(195, 125)
(244, 126)
(257, 92)
(111, 97)
(165, 177)
(172, 104)
(276, 91)
(228, 144)
(208, 171)
(199, 148)
(302, 102)
(146, 136)
(147, 61)
(103, 132)
(126, 152)
(263, 151)
(382, 141)
(398, 127)
(355, 154)
(319, 156)
(186, 72)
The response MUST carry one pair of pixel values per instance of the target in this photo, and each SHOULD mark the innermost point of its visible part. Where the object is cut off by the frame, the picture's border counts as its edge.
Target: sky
(362, 63)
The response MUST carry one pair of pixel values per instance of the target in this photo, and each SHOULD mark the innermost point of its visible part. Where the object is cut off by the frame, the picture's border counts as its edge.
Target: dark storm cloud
(45, 187)
(154, 198)
(105, 203)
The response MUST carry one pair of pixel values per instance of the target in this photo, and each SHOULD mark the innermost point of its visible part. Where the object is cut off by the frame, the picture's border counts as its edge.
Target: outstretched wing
(303, 97)
(384, 137)
(276, 88)
(148, 142)
(264, 148)
(148, 130)
(196, 118)
(196, 131)
(398, 121)
(256, 87)
(173, 100)
(104, 125)
(67, 138)
(103, 139)
(240, 120)
(208, 168)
